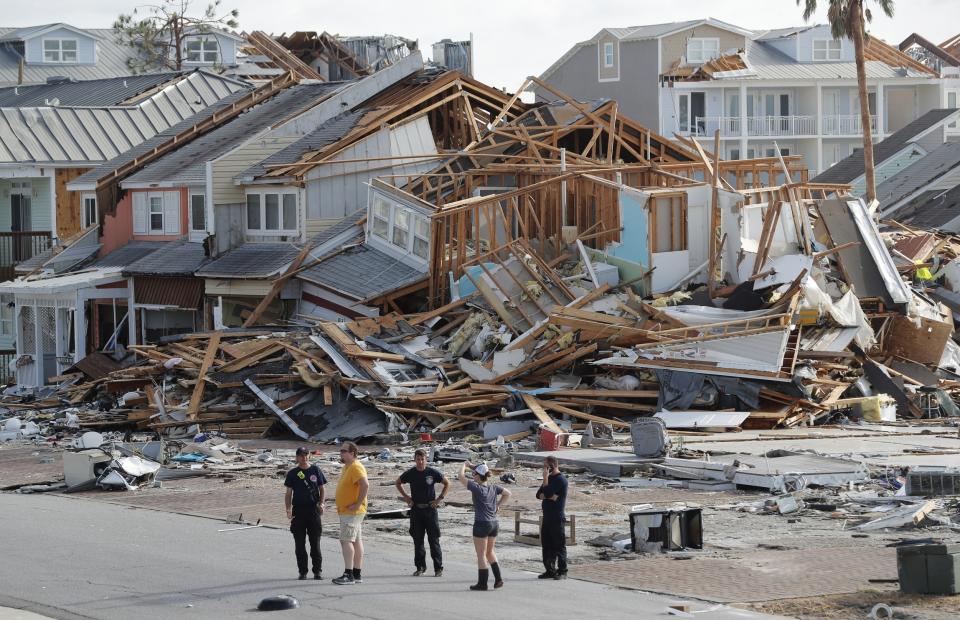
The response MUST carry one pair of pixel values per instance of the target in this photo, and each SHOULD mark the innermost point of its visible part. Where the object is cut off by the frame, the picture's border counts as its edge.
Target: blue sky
(513, 38)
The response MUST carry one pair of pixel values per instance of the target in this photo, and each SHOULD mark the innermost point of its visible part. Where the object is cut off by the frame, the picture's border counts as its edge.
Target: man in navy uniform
(553, 493)
(423, 503)
(304, 503)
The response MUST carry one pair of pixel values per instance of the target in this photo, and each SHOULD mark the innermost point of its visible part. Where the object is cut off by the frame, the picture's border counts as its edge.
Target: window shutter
(139, 213)
(171, 213)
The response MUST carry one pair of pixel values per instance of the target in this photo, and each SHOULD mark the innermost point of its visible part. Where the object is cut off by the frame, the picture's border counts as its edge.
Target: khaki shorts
(350, 527)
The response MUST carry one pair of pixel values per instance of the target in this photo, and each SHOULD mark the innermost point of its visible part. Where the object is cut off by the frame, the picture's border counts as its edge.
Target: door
(831, 112)
(731, 125)
(20, 220)
(698, 110)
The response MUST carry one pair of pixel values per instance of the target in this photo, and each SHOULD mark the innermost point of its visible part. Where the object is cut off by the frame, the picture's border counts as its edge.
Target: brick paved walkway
(757, 576)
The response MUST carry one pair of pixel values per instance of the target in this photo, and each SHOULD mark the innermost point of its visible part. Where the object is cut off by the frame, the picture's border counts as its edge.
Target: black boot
(497, 580)
(483, 574)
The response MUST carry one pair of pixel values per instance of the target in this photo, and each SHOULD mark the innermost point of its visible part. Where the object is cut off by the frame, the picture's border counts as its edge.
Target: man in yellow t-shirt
(351, 506)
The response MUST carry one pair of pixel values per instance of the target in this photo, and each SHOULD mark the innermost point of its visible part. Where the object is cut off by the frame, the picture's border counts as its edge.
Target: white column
(819, 158)
(79, 328)
(53, 204)
(131, 315)
(881, 124)
(743, 120)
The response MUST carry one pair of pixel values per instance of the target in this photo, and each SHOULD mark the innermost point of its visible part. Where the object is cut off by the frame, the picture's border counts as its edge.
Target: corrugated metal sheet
(251, 260)
(362, 273)
(106, 92)
(89, 135)
(173, 258)
(186, 293)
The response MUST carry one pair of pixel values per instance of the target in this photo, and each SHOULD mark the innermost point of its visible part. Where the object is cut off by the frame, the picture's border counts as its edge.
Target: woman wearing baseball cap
(485, 526)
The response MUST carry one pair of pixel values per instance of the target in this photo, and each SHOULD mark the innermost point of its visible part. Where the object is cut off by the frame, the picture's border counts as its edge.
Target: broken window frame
(676, 205)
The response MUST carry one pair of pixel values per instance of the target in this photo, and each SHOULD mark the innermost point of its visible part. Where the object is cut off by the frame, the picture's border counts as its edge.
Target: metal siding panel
(204, 89)
(153, 117)
(142, 123)
(97, 134)
(105, 118)
(75, 124)
(45, 139)
(11, 142)
(21, 129)
(131, 132)
(65, 139)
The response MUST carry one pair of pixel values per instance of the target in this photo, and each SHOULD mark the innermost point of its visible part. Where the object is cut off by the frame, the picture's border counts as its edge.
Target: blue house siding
(86, 47)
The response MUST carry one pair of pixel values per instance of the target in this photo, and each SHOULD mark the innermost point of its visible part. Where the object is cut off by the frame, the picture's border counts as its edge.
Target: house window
(6, 316)
(421, 237)
(826, 49)
(668, 215)
(734, 153)
(401, 228)
(608, 54)
(289, 212)
(202, 50)
(701, 50)
(198, 212)
(253, 211)
(156, 214)
(60, 50)
(272, 213)
(89, 210)
(381, 217)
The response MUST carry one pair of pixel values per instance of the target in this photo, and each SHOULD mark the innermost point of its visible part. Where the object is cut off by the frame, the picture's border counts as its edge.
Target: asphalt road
(77, 558)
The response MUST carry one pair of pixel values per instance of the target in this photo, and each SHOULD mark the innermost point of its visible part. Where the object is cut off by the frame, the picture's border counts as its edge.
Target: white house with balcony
(794, 86)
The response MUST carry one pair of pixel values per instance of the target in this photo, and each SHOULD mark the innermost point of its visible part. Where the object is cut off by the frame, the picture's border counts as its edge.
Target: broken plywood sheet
(923, 344)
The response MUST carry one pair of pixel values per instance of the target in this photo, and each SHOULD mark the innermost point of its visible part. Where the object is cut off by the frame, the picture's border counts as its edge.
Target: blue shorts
(485, 529)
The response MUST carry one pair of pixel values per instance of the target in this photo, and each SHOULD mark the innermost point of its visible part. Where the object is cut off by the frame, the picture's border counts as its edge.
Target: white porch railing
(730, 126)
(846, 125)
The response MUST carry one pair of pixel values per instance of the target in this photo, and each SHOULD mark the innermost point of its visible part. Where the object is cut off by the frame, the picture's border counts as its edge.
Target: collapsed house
(415, 251)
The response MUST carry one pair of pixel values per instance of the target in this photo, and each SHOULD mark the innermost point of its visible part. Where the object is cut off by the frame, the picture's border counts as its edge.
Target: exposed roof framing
(937, 50)
(459, 105)
(281, 56)
(876, 49)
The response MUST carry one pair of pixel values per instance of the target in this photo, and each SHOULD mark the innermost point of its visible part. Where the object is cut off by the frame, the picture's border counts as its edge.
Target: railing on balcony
(16, 247)
(846, 125)
(730, 126)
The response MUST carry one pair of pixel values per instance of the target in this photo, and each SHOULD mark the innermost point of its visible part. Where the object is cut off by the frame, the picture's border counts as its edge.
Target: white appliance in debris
(84, 466)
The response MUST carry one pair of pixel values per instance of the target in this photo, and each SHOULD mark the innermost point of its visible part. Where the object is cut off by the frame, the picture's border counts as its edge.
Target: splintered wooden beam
(195, 399)
(538, 410)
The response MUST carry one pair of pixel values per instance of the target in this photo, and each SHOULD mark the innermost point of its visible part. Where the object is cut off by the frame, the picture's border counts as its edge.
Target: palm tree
(848, 18)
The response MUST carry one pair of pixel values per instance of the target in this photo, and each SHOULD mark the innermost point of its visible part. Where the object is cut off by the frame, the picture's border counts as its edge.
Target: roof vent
(51, 102)
(58, 79)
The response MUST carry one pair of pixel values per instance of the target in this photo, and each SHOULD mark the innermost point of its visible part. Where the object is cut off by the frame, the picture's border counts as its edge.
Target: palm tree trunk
(858, 43)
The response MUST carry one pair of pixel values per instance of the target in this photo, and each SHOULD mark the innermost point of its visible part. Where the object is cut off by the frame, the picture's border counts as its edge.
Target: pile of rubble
(820, 337)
